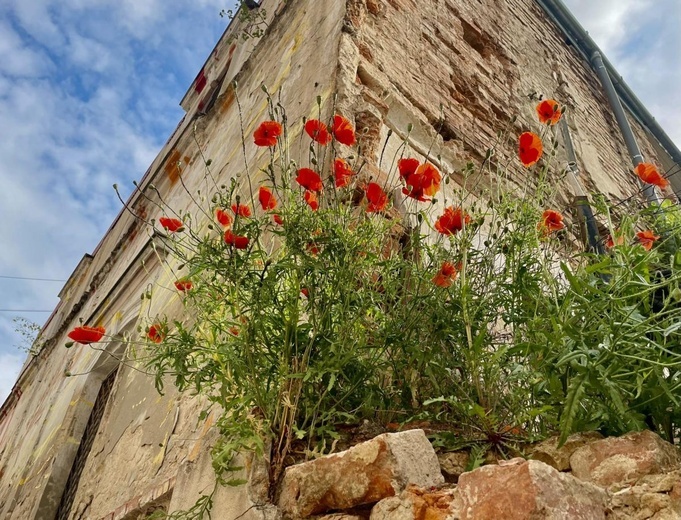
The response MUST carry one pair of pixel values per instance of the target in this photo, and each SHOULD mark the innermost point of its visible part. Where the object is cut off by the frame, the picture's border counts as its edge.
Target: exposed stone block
(523, 490)
(559, 458)
(653, 496)
(417, 504)
(622, 460)
(453, 464)
(364, 474)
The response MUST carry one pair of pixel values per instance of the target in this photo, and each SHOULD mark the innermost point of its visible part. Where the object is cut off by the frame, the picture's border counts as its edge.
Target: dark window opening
(85, 446)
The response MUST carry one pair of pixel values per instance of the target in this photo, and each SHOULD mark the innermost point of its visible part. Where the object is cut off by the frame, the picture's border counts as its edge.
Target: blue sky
(89, 92)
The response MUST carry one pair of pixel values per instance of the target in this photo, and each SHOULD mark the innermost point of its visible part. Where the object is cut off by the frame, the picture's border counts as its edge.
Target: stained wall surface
(465, 74)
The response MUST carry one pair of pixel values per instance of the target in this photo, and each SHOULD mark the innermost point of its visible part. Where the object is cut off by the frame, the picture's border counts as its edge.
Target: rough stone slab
(453, 464)
(548, 451)
(364, 474)
(618, 461)
(417, 504)
(524, 490)
(652, 497)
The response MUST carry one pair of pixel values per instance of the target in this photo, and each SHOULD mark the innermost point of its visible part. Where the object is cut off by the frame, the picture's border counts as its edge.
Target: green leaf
(575, 392)
(672, 328)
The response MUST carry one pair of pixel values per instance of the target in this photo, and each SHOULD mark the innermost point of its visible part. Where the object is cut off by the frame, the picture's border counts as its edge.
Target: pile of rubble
(398, 476)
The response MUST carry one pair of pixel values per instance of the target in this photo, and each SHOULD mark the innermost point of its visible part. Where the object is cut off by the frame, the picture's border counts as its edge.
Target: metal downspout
(594, 242)
(622, 122)
(584, 44)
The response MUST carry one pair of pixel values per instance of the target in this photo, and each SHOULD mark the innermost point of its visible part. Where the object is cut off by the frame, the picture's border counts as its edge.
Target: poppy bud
(67, 373)
(68, 344)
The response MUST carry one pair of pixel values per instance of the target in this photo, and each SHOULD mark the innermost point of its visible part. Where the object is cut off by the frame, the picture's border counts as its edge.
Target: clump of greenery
(312, 303)
(29, 332)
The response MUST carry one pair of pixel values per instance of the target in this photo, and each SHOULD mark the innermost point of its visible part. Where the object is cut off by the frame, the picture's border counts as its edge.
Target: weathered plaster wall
(392, 63)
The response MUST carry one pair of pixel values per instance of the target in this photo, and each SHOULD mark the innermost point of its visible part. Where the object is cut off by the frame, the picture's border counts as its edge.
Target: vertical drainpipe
(594, 241)
(616, 105)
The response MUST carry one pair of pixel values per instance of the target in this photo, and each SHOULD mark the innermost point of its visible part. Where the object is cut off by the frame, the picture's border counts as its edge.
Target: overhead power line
(33, 279)
(23, 310)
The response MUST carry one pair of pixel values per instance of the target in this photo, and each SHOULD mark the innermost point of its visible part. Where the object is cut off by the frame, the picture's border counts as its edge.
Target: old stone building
(105, 444)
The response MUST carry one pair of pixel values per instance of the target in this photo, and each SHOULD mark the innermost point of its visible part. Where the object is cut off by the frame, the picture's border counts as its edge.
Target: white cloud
(642, 40)
(18, 60)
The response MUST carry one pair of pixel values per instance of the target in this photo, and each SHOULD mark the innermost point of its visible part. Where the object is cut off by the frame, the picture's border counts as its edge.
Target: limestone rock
(364, 474)
(523, 490)
(622, 460)
(453, 464)
(653, 496)
(417, 504)
(549, 452)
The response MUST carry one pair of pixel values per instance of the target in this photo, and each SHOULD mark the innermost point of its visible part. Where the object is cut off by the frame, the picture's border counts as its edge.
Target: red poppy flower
(647, 239)
(648, 173)
(278, 219)
(266, 134)
(267, 200)
(407, 167)
(551, 221)
(529, 148)
(312, 248)
(610, 243)
(156, 334)
(421, 180)
(311, 199)
(378, 199)
(317, 131)
(305, 292)
(184, 285)
(342, 173)
(446, 275)
(343, 131)
(549, 111)
(309, 179)
(242, 210)
(238, 241)
(224, 218)
(234, 331)
(86, 335)
(171, 224)
(452, 221)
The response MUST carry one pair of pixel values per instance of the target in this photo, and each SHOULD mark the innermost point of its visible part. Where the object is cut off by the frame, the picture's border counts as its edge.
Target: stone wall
(391, 63)
(464, 72)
